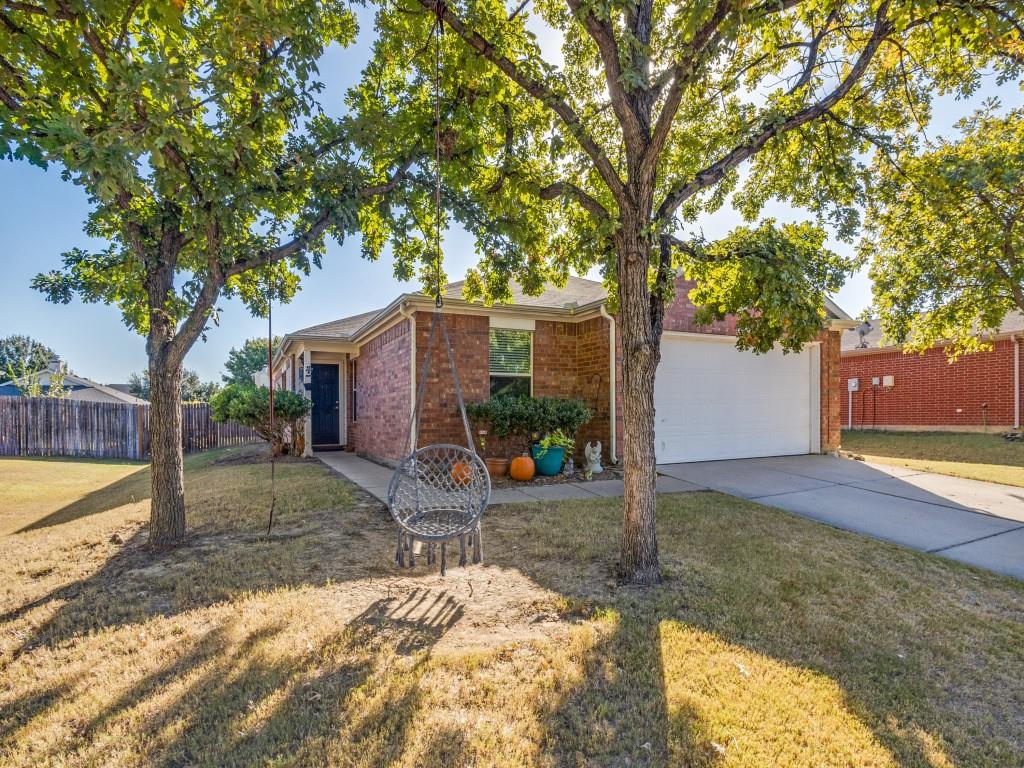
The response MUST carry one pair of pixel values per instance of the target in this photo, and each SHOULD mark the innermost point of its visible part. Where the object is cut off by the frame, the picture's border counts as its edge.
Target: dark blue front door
(325, 405)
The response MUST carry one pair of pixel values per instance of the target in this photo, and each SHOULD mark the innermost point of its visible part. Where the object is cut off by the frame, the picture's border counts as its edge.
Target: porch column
(307, 424)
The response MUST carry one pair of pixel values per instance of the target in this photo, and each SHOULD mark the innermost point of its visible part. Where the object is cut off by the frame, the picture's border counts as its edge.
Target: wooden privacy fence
(48, 426)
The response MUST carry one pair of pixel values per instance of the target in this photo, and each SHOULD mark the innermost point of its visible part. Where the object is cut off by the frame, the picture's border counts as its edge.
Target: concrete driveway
(978, 523)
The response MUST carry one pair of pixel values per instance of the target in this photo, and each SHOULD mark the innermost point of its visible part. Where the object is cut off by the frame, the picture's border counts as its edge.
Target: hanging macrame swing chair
(438, 493)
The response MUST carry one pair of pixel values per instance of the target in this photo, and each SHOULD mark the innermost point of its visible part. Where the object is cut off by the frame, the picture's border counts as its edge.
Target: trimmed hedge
(509, 415)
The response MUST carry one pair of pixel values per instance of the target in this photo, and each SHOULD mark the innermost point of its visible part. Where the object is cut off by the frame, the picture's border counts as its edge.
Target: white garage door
(713, 401)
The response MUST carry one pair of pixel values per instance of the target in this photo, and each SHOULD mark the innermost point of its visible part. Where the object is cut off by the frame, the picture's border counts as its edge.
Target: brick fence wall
(931, 392)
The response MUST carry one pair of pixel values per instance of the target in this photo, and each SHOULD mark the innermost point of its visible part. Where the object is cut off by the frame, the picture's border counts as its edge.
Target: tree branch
(540, 91)
(603, 34)
(568, 189)
(714, 173)
(680, 74)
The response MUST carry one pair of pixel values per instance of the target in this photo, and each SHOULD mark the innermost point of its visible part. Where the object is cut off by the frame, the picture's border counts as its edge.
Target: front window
(511, 362)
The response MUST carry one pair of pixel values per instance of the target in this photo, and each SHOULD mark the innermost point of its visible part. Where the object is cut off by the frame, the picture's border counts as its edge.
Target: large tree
(193, 388)
(945, 235)
(23, 354)
(247, 360)
(658, 112)
(197, 132)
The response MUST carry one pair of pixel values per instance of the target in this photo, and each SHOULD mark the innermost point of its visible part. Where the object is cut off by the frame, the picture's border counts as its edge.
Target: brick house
(893, 390)
(713, 401)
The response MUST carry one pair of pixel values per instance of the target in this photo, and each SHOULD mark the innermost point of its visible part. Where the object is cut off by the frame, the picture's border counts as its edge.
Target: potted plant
(549, 452)
(496, 466)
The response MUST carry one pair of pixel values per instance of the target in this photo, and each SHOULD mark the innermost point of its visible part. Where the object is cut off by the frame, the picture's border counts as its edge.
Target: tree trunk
(167, 502)
(638, 558)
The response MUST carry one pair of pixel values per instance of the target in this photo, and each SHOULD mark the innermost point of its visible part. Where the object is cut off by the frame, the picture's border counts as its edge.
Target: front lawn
(774, 641)
(40, 490)
(962, 454)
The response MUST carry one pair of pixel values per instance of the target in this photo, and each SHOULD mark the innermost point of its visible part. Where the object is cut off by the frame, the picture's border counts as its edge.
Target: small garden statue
(569, 470)
(593, 453)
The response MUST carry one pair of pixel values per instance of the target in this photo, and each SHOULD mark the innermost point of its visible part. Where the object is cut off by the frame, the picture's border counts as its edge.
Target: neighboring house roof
(850, 341)
(72, 382)
(577, 293)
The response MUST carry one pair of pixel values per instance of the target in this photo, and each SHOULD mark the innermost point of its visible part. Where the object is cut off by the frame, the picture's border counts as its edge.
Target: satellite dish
(863, 330)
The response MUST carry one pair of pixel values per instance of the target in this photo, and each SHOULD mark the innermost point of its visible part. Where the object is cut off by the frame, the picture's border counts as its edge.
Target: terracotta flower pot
(522, 469)
(497, 467)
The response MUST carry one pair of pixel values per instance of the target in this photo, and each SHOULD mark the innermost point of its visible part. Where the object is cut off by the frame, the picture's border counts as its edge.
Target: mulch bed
(578, 477)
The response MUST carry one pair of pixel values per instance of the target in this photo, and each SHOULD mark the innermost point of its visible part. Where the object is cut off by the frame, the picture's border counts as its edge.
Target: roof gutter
(611, 383)
(405, 312)
(1016, 381)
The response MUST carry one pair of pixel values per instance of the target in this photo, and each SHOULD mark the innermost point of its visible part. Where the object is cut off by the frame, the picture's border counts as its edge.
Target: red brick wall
(929, 391)
(679, 314)
(831, 384)
(593, 384)
(439, 412)
(380, 429)
(555, 359)
(569, 360)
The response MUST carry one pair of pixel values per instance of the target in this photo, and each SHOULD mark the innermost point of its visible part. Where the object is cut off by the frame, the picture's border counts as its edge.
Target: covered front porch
(320, 370)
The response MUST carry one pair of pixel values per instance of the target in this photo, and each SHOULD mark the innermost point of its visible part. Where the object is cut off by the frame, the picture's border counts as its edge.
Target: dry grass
(42, 491)
(774, 641)
(972, 455)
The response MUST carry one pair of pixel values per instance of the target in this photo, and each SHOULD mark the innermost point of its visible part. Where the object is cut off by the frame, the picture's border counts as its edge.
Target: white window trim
(503, 327)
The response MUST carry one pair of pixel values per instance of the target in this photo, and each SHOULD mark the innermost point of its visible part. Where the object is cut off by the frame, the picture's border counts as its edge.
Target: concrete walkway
(374, 479)
(975, 522)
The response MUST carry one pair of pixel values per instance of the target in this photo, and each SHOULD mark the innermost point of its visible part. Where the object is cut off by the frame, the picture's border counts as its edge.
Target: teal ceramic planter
(549, 462)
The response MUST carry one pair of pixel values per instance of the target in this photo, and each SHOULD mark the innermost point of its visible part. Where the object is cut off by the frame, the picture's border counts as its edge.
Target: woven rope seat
(439, 492)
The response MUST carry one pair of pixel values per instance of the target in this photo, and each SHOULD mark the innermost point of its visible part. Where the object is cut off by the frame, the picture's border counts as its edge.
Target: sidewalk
(374, 479)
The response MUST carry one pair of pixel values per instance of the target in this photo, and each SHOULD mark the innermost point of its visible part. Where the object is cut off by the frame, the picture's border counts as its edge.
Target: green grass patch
(972, 455)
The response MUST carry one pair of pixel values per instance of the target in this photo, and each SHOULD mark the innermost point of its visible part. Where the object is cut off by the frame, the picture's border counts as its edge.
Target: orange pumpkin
(462, 473)
(522, 469)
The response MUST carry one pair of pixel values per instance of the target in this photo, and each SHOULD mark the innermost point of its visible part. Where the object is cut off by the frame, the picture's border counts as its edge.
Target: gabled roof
(577, 293)
(850, 341)
(342, 328)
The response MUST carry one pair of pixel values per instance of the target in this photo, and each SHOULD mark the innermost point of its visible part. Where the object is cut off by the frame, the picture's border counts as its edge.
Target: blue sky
(41, 217)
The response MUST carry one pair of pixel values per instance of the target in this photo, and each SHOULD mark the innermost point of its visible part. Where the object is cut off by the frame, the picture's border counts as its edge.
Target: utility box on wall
(888, 381)
(852, 385)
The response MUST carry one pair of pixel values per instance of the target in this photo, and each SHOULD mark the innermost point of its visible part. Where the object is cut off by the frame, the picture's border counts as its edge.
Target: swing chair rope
(438, 493)
(437, 319)
(270, 381)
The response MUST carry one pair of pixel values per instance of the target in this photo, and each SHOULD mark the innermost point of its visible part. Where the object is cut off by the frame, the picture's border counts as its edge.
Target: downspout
(411, 317)
(611, 382)
(1016, 381)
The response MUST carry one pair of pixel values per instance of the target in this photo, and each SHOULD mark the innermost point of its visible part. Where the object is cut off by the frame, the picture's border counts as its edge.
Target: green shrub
(250, 405)
(529, 417)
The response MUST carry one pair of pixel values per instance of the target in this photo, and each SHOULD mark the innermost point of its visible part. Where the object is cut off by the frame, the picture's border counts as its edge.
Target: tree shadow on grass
(253, 691)
(617, 713)
(128, 490)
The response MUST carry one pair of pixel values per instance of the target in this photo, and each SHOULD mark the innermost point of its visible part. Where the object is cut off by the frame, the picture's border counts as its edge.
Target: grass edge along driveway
(973, 455)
